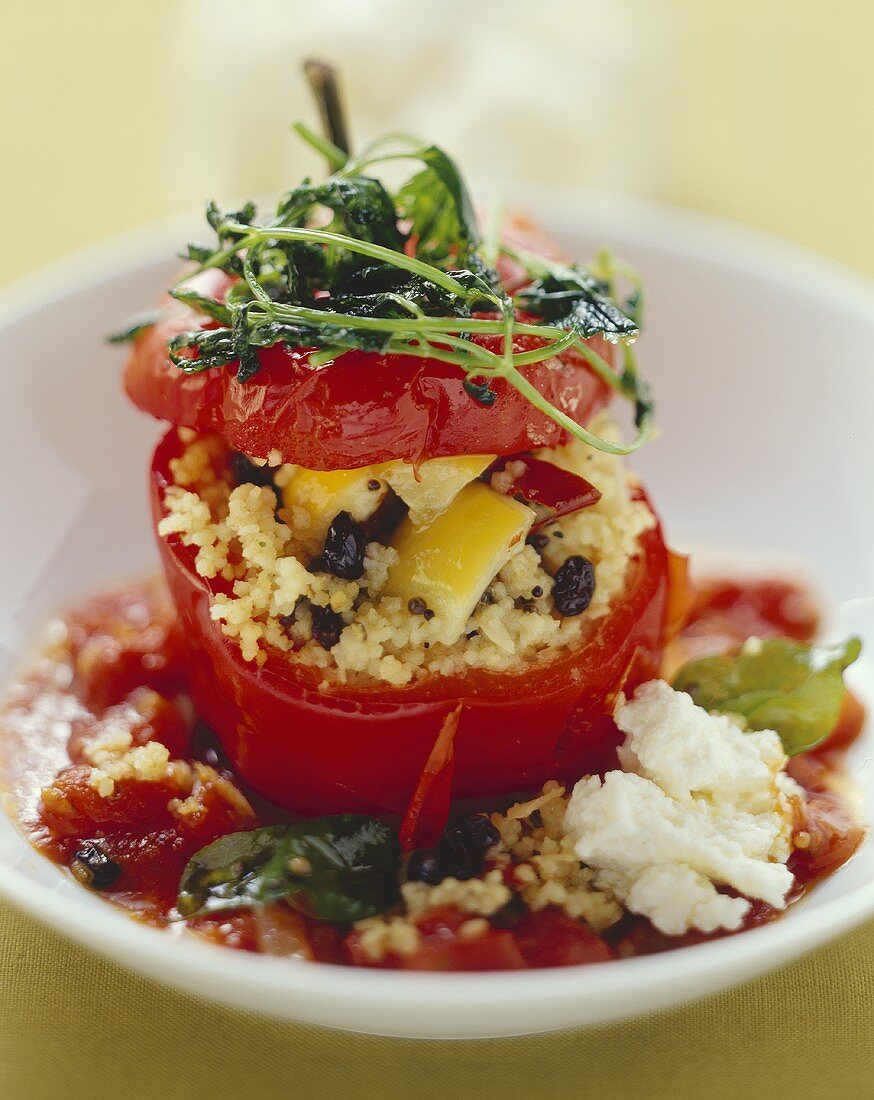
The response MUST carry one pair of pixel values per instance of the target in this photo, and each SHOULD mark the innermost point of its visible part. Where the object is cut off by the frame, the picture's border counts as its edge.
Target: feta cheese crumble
(700, 804)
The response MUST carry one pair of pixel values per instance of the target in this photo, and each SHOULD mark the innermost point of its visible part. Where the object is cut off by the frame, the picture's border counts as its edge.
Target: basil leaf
(783, 685)
(342, 868)
(227, 873)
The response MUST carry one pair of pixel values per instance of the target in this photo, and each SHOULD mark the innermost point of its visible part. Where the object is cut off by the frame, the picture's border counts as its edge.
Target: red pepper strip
(679, 594)
(428, 810)
(553, 491)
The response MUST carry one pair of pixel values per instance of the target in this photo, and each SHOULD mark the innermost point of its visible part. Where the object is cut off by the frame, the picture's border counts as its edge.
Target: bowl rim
(190, 965)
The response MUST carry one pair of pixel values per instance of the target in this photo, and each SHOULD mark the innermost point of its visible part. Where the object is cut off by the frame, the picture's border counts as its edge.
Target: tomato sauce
(114, 668)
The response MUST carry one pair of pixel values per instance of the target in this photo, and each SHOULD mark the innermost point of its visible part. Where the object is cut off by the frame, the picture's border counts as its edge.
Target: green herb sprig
(347, 264)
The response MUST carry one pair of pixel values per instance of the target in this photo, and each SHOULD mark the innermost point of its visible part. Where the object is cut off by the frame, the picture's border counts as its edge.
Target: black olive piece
(373, 485)
(465, 844)
(427, 614)
(538, 541)
(481, 392)
(574, 585)
(327, 626)
(245, 472)
(509, 915)
(425, 866)
(344, 548)
(459, 854)
(474, 834)
(536, 591)
(91, 866)
(288, 621)
(416, 606)
(379, 526)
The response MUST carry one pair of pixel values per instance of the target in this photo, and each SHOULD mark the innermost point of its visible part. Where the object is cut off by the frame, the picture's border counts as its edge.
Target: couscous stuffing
(280, 597)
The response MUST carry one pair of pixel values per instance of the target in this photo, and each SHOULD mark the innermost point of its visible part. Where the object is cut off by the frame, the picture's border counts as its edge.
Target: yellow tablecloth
(75, 1026)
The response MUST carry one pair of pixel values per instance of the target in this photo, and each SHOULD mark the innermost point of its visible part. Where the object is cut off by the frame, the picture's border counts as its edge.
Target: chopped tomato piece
(145, 714)
(142, 824)
(851, 722)
(122, 640)
(725, 613)
(827, 834)
(551, 938)
(73, 806)
(445, 946)
(228, 929)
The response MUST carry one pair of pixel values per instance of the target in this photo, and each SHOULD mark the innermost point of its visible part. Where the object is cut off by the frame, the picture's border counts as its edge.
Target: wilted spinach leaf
(210, 307)
(361, 206)
(783, 685)
(134, 326)
(349, 264)
(384, 291)
(342, 868)
(439, 209)
(574, 300)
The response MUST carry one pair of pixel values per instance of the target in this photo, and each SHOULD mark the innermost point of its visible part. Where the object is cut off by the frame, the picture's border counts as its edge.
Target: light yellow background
(116, 113)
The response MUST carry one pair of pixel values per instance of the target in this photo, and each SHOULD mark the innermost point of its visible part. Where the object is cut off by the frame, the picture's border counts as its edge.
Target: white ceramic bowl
(761, 359)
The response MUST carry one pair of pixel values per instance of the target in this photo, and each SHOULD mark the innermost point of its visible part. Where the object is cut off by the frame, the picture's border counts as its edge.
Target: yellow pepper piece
(438, 483)
(450, 563)
(323, 494)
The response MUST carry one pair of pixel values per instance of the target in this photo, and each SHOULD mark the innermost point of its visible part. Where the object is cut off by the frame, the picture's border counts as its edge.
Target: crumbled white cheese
(701, 803)
(676, 898)
(690, 753)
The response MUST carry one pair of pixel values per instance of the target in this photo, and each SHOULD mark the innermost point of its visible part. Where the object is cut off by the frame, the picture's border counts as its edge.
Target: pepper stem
(323, 84)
